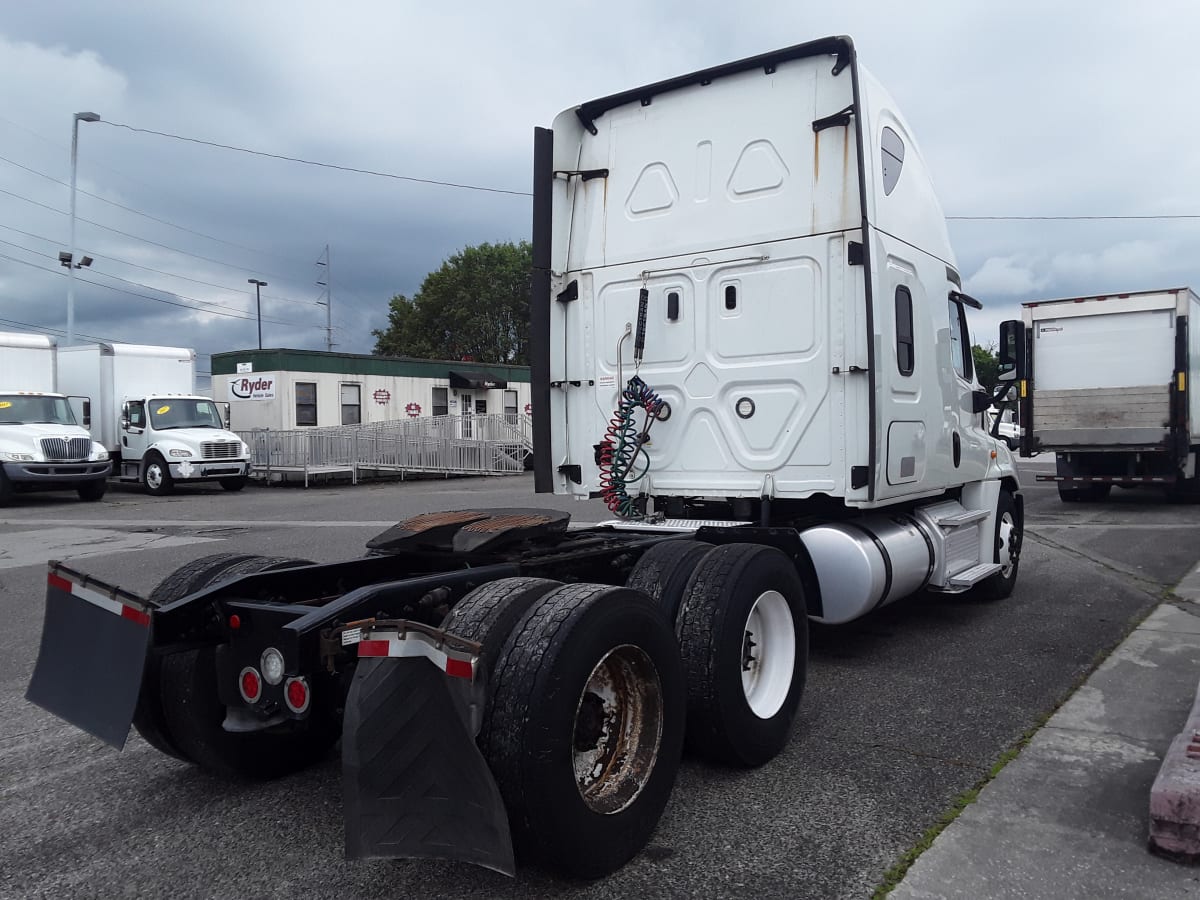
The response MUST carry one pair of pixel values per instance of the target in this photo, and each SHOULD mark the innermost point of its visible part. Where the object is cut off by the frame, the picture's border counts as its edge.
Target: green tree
(476, 305)
(986, 366)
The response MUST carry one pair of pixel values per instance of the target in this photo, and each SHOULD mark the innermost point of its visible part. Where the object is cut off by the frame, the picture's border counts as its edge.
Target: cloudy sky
(1021, 109)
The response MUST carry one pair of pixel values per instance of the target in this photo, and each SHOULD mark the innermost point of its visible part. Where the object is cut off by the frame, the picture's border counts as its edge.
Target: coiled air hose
(623, 441)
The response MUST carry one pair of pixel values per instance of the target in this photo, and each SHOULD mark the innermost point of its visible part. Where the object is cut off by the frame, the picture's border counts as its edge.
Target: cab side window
(960, 341)
(905, 358)
(137, 415)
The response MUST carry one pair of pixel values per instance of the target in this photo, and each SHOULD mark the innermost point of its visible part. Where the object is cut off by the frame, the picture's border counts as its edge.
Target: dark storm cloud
(1021, 108)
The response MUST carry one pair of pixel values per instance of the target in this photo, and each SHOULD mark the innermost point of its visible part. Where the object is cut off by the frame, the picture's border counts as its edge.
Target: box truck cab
(147, 415)
(42, 445)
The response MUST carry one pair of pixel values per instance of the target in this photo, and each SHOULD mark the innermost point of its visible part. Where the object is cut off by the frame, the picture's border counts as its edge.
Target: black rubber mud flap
(89, 666)
(416, 786)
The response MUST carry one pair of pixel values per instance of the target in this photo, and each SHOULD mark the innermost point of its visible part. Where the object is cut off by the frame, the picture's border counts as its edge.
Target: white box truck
(1104, 382)
(749, 337)
(147, 414)
(43, 447)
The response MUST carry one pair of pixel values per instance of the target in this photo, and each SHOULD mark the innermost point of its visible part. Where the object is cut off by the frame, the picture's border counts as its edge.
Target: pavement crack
(1146, 585)
(950, 761)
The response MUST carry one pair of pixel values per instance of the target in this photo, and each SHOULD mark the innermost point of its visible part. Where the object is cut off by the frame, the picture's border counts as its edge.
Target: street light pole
(258, 286)
(79, 117)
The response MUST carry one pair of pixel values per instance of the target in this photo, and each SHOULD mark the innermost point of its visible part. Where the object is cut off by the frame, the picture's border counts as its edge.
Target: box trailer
(1105, 385)
(43, 446)
(750, 338)
(147, 414)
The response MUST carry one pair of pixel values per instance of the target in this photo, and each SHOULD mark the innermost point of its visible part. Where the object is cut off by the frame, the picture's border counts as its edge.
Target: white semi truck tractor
(749, 337)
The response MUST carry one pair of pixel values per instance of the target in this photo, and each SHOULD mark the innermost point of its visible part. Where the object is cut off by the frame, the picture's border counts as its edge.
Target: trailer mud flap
(93, 651)
(416, 786)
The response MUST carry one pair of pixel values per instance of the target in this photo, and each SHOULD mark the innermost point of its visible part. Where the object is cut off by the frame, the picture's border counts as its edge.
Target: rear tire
(584, 727)
(180, 712)
(148, 717)
(156, 476)
(234, 484)
(663, 572)
(489, 613)
(93, 490)
(6, 489)
(743, 633)
(194, 716)
(1089, 493)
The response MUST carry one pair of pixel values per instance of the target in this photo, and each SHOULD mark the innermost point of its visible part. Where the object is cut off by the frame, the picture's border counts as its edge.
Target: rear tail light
(250, 685)
(297, 695)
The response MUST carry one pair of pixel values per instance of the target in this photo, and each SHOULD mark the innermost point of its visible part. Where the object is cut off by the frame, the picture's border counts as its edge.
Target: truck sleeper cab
(750, 339)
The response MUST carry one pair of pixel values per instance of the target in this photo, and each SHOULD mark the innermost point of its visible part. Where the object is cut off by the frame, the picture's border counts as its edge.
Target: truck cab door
(134, 428)
(969, 457)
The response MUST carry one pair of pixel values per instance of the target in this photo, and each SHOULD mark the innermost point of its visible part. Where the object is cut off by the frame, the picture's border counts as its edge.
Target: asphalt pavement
(904, 711)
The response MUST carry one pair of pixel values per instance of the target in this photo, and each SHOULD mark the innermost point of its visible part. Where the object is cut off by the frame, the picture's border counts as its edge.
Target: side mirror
(87, 413)
(224, 410)
(981, 401)
(1011, 360)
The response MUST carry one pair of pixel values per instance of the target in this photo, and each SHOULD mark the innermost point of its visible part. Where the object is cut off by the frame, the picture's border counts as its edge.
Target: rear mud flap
(89, 666)
(416, 786)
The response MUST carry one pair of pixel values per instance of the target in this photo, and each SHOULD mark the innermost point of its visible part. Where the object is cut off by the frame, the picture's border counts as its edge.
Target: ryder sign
(253, 387)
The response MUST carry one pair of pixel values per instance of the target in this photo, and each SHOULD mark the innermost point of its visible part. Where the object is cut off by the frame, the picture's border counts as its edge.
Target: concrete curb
(1175, 795)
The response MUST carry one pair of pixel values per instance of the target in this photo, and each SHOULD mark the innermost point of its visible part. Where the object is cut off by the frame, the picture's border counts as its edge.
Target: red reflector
(297, 694)
(235, 621)
(459, 668)
(57, 581)
(372, 648)
(250, 685)
(135, 615)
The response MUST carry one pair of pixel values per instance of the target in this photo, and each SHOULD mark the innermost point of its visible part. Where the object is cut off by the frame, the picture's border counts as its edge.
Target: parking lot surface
(903, 711)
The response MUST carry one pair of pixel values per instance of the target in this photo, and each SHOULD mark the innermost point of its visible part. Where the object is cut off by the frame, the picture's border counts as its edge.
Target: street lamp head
(87, 117)
(256, 281)
(86, 261)
(64, 257)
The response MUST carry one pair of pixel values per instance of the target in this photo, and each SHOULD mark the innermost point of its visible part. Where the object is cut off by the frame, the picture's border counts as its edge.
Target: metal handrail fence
(493, 444)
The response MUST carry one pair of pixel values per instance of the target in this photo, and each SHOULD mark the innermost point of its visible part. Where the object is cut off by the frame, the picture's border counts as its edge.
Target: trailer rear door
(1103, 371)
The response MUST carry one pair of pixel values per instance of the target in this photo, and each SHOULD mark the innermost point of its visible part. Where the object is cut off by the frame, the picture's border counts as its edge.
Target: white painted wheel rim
(154, 475)
(1008, 527)
(768, 654)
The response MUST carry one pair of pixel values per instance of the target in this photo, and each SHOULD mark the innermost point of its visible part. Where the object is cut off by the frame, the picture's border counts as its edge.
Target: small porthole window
(893, 158)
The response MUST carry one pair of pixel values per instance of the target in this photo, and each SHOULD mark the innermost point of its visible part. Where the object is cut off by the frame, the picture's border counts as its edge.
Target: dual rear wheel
(180, 713)
(741, 621)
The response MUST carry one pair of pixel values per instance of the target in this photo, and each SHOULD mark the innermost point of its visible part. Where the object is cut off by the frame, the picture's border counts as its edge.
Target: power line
(13, 323)
(1069, 218)
(125, 262)
(323, 165)
(204, 303)
(138, 212)
(100, 284)
(219, 262)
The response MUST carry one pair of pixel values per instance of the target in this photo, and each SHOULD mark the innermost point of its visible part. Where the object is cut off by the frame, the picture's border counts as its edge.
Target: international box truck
(43, 446)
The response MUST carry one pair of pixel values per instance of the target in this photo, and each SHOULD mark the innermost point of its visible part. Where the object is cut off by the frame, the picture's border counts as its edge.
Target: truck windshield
(176, 412)
(29, 409)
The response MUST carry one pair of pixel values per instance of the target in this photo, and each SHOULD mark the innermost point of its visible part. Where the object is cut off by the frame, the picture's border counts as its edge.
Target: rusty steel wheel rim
(618, 730)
